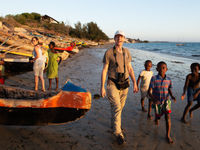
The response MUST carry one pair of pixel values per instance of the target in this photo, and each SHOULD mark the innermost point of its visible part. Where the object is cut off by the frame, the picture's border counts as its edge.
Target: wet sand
(93, 130)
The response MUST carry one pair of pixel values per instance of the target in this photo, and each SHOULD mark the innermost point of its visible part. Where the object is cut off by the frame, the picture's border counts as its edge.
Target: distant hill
(89, 31)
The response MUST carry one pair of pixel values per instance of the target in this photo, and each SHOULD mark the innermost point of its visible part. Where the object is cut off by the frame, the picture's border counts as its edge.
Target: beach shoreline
(93, 130)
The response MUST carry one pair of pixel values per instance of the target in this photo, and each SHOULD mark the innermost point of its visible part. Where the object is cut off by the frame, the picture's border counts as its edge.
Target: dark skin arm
(170, 93)
(155, 101)
(196, 94)
(60, 60)
(186, 86)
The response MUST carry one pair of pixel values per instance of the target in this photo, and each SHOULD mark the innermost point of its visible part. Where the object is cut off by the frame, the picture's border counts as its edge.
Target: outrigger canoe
(25, 107)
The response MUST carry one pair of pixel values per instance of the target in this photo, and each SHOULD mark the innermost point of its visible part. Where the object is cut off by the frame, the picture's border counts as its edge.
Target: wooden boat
(180, 44)
(16, 61)
(18, 53)
(69, 49)
(25, 107)
(17, 65)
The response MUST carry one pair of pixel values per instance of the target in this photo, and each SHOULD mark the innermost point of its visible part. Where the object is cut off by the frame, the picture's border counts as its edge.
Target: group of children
(157, 89)
(39, 61)
(52, 60)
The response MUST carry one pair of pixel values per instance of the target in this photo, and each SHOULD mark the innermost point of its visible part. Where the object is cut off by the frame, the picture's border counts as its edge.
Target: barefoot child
(192, 85)
(52, 66)
(39, 63)
(145, 77)
(159, 91)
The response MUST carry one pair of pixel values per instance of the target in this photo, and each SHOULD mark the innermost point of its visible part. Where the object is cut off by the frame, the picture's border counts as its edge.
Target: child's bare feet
(191, 115)
(157, 122)
(169, 140)
(43, 90)
(149, 117)
(184, 121)
(143, 109)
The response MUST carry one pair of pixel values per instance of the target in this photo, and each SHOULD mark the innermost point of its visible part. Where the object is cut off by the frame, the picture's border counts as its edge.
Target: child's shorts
(144, 93)
(164, 108)
(38, 71)
(190, 94)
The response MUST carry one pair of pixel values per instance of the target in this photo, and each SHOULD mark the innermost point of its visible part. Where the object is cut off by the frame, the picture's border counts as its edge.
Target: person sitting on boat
(52, 66)
(39, 63)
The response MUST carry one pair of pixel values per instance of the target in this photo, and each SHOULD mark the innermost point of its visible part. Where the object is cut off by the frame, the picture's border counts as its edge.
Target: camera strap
(120, 85)
(115, 55)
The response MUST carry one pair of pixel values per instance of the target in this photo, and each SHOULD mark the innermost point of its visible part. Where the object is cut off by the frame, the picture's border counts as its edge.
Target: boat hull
(39, 116)
(18, 67)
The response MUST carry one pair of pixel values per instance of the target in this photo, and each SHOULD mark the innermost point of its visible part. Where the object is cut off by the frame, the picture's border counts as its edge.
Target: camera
(120, 77)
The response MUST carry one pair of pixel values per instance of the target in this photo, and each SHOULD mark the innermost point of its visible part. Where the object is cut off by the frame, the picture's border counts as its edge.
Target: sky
(153, 20)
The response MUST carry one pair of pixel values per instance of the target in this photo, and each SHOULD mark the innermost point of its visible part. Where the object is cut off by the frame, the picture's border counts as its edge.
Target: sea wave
(156, 49)
(188, 50)
(195, 55)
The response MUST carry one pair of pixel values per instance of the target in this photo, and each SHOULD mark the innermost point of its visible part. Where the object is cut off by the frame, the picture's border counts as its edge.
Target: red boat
(68, 49)
(64, 49)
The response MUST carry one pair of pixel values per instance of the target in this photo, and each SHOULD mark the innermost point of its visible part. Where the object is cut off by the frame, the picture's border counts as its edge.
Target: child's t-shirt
(145, 79)
(160, 87)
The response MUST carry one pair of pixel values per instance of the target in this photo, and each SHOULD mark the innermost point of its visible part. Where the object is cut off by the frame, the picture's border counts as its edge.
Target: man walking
(117, 66)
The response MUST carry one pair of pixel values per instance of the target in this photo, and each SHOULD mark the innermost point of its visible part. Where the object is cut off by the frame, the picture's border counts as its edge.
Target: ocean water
(178, 58)
(187, 50)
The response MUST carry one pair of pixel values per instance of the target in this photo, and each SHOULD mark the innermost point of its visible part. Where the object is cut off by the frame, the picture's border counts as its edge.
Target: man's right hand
(103, 92)
(135, 88)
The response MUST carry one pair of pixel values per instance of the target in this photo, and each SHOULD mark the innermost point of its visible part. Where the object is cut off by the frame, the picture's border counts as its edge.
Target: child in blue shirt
(159, 91)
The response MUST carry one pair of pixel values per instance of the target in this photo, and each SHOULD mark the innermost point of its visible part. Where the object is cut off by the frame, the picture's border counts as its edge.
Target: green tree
(89, 31)
(95, 33)
(36, 16)
(26, 18)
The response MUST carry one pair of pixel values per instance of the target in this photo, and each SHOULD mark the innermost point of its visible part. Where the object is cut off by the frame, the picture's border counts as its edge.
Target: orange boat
(71, 103)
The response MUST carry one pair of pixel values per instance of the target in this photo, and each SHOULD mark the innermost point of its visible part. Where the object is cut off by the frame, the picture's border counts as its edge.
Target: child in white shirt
(145, 77)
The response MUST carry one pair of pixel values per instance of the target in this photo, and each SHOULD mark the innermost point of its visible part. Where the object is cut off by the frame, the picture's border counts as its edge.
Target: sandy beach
(93, 130)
